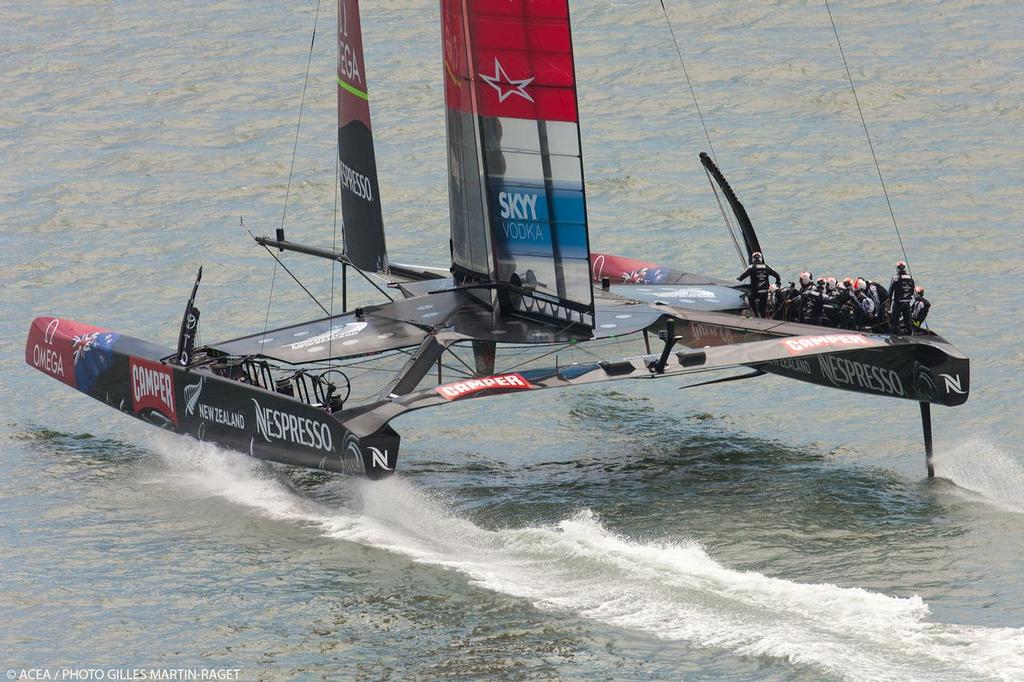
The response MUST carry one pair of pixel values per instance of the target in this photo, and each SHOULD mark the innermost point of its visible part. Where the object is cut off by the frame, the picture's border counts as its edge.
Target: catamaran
(524, 305)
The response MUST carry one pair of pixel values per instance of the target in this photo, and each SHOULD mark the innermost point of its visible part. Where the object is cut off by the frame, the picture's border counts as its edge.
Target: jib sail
(363, 227)
(518, 209)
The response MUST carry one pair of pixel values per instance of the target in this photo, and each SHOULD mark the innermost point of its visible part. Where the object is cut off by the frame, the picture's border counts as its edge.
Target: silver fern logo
(210, 413)
(192, 394)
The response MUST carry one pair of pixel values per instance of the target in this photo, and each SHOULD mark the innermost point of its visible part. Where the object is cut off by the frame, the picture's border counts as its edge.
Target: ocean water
(761, 530)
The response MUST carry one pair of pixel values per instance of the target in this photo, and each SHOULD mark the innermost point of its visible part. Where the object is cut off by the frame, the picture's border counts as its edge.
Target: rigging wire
(302, 104)
(281, 263)
(367, 277)
(270, 298)
(472, 372)
(707, 135)
(693, 93)
(291, 169)
(871, 146)
(725, 216)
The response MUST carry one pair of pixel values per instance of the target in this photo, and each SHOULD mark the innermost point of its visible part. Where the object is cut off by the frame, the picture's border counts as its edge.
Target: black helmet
(900, 266)
(756, 257)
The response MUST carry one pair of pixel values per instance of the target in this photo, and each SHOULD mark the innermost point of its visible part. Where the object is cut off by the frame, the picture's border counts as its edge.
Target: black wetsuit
(810, 306)
(901, 291)
(919, 308)
(829, 308)
(846, 308)
(787, 304)
(759, 274)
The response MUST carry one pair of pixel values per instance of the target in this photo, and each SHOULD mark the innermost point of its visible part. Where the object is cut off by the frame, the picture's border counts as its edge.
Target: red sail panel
(456, 57)
(519, 58)
(353, 101)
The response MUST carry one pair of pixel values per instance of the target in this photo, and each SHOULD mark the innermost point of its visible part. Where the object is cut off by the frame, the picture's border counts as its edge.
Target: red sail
(518, 209)
(522, 58)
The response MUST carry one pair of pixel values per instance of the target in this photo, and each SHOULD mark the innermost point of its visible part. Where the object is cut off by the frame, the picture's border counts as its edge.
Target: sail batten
(515, 165)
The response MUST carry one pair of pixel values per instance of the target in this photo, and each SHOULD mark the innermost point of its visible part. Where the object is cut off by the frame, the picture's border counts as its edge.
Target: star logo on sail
(505, 86)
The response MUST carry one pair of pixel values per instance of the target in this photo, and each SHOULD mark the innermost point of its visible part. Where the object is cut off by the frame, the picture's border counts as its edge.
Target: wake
(671, 590)
(982, 468)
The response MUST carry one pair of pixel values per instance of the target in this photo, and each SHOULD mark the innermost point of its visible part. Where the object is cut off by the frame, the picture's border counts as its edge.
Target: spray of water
(674, 591)
(983, 468)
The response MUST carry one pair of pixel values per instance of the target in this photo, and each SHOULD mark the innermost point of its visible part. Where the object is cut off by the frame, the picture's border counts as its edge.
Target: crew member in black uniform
(787, 309)
(829, 309)
(901, 292)
(919, 308)
(810, 303)
(865, 312)
(846, 304)
(759, 272)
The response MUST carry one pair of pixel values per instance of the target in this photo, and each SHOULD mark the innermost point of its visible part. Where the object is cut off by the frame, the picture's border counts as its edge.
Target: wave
(671, 590)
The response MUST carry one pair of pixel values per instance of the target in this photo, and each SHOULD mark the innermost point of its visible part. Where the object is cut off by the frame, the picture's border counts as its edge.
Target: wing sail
(518, 207)
(363, 227)
(746, 227)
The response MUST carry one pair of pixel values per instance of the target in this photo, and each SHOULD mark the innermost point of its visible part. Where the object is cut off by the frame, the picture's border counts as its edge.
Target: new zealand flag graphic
(92, 357)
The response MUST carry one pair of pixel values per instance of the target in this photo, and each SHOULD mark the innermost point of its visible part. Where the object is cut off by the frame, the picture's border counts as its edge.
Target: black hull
(232, 411)
(921, 372)
(127, 374)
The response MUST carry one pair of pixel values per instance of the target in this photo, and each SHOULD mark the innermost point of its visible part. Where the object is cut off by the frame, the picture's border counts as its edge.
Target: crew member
(919, 308)
(901, 291)
(788, 298)
(829, 307)
(759, 272)
(846, 305)
(865, 309)
(806, 281)
(810, 303)
(878, 293)
(773, 300)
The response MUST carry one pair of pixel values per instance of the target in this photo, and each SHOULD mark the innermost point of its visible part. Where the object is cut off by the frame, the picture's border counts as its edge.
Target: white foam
(981, 467)
(674, 591)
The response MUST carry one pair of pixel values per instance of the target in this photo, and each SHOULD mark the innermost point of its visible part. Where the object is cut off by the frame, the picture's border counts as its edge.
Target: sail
(518, 208)
(746, 227)
(363, 227)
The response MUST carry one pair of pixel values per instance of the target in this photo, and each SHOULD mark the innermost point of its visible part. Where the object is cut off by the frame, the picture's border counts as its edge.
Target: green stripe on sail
(355, 91)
